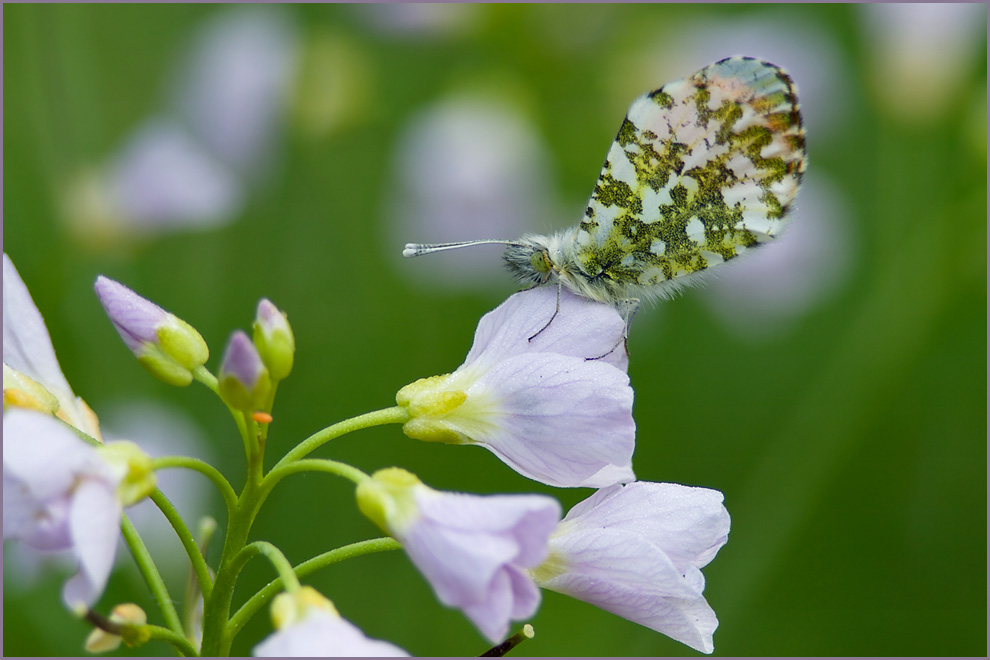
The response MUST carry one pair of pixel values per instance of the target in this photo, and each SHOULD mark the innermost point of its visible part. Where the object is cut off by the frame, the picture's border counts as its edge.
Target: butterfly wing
(700, 170)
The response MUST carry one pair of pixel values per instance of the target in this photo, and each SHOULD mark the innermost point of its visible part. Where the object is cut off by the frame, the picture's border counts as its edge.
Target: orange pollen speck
(262, 417)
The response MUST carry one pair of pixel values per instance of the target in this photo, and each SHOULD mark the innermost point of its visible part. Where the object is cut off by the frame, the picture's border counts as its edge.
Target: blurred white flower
(921, 54)
(420, 19)
(32, 376)
(33, 379)
(163, 177)
(636, 551)
(192, 164)
(28, 351)
(542, 406)
(60, 495)
(468, 168)
(473, 549)
(232, 88)
(308, 625)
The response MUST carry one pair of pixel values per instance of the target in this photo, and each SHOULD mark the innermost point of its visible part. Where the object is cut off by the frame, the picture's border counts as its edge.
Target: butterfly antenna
(419, 249)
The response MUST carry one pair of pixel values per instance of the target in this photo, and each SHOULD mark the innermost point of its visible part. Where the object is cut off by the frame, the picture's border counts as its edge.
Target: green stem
(216, 609)
(203, 375)
(267, 407)
(178, 641)
(218, 634)
(187, 540)
(207, 527)
(207, 470)
(275, 556)
(151, 575)
(253, 604)
(394, 415)
(312, 465)
(246, 426)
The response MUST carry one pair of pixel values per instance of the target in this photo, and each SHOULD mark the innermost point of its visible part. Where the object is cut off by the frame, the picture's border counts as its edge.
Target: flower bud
(290, 608)
(388, 500)
(435, 407)
(132, 618)
(244, 381)
(164, 344)
(274, 340)
(308, 625)
(137, 477)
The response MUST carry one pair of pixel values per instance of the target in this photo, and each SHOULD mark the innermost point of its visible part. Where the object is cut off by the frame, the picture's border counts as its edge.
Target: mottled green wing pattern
(701, 169)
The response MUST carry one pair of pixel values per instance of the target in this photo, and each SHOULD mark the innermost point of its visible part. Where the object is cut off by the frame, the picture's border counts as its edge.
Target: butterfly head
(530, 260)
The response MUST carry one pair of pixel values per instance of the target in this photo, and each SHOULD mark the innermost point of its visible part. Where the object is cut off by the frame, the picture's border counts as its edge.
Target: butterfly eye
(541, 261)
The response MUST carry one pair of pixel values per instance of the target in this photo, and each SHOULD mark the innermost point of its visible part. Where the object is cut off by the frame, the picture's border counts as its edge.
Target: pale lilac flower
(232, 89)
(420, 19)
(636, 551)
(192, 163)
(474, 550)
(31, 369)
(243, 379)
(468, 168)
(163, 178)
(557, 409)
(921, 55)
(308, 625)
(60, 494)
(164, 344)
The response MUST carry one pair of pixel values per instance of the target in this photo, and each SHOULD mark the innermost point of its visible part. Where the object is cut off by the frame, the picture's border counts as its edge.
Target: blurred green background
(846, 428)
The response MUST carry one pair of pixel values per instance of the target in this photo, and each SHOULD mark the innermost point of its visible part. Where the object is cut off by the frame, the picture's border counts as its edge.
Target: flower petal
(689, 524)
(44, 454)
(512, 595)
(94, 523)
(232, 89)
(27, 348)
(563, 421)
(581, 328)
(628, 576)
(163, 179)
(26, 344)
(473, 550)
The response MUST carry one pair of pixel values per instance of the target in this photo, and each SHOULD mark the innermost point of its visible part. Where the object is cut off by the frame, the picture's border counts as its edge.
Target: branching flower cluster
(551, 400)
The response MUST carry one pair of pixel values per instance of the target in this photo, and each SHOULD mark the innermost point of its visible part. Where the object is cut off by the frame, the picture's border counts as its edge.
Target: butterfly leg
(627, 309)
(555, 312)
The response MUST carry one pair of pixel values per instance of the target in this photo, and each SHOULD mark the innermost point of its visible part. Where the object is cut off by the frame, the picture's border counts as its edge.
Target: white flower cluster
(59, 493)
(544, 388)
(554, 403)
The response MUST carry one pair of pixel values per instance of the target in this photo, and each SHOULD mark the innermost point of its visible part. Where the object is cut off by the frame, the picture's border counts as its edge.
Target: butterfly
(701, 171)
